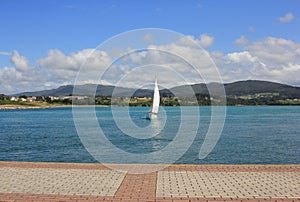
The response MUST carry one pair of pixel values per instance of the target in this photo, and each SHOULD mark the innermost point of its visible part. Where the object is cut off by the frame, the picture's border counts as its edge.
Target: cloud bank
(273, 59)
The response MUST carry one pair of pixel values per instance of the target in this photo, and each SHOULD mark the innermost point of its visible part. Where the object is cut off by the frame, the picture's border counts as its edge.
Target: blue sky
(32, 28)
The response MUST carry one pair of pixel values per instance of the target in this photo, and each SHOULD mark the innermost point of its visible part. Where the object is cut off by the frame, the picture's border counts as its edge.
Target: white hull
(152, 115)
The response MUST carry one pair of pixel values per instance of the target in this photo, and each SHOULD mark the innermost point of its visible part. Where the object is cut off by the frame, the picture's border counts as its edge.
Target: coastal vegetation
(237, 93)
(199, 99)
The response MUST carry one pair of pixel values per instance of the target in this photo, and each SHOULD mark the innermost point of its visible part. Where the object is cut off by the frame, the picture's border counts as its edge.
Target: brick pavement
(21, 181)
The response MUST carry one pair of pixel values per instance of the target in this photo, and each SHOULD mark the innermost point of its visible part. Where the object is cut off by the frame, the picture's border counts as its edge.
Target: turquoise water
(251, 135)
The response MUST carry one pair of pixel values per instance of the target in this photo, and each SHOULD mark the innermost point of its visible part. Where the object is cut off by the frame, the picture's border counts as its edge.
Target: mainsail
(155, 105)
(156, 99)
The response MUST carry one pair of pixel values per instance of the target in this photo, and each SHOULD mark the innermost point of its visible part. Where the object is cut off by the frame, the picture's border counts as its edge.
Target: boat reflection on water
(157, 141)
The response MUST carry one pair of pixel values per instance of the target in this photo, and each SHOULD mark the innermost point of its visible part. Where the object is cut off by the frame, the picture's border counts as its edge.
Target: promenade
(21, 181)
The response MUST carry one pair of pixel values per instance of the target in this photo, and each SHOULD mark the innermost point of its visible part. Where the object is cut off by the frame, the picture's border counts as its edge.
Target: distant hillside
(239, 88)
(252, 87)
(87, 89)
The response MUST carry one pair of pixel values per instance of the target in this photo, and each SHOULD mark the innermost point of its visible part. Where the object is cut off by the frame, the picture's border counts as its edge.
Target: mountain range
(239, 88)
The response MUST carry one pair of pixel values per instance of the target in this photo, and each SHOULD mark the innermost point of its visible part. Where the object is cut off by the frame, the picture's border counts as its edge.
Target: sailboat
(152, 114)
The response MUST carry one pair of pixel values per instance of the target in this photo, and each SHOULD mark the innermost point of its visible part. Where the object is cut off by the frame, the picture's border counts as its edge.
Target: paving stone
(21, 181)
(60, 181)
(228, 184)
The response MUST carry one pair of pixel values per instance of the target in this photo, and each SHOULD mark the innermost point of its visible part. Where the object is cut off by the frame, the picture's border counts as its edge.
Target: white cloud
(21, 63)
(54, 70)
(287, 18)
(239, 57)
(241, 41)
(206, 40)
(66, 67)
(148, 38)
(21, 77)
(238, 65)
(179, 62)
(184, 57)
(274, 59)
(279, 50)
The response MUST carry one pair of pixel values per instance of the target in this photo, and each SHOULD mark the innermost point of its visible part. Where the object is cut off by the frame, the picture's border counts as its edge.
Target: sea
(248, 135)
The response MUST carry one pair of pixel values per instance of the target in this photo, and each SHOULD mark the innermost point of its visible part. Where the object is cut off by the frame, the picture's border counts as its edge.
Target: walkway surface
(20, 181)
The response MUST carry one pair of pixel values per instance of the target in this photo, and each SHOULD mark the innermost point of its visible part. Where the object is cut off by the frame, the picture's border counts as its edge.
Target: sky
(43, 44)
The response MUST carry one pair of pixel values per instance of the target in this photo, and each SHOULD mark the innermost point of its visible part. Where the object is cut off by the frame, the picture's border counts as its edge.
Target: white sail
(155, 105)
(156, 99)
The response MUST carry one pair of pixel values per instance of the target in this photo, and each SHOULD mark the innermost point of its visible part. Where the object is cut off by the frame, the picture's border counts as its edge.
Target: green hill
(239, 88)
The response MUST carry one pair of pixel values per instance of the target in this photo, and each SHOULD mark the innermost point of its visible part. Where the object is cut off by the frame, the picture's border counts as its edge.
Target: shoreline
(5, 107)
(99, 164)
(12, 107)
(17, 107)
